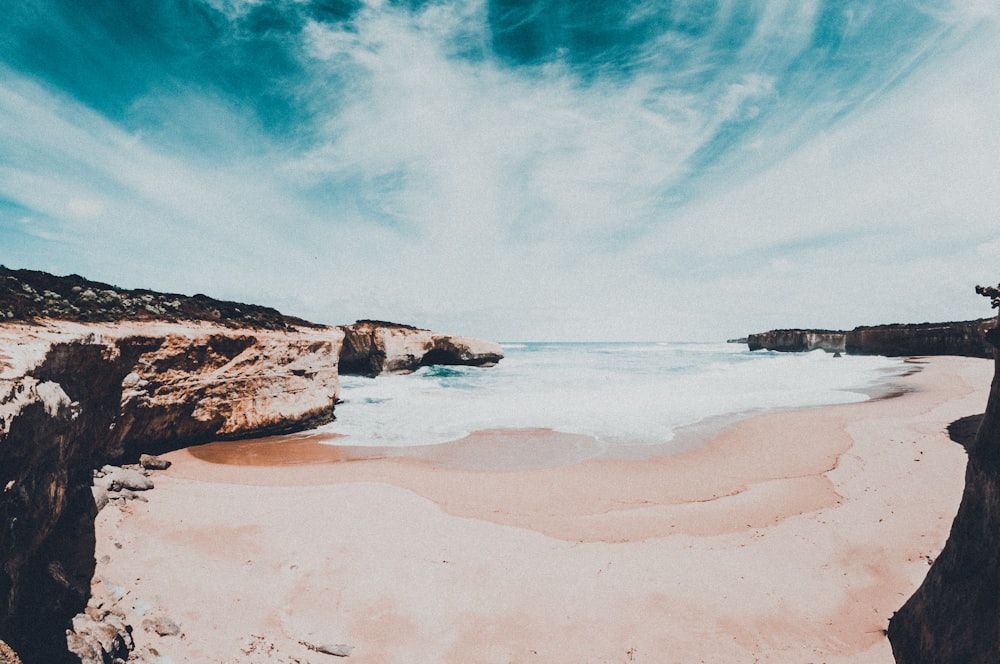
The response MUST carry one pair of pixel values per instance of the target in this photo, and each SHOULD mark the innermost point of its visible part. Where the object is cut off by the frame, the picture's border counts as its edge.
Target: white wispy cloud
(436, 184)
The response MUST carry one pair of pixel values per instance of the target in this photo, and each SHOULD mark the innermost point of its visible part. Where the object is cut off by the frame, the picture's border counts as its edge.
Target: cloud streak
(541, 169)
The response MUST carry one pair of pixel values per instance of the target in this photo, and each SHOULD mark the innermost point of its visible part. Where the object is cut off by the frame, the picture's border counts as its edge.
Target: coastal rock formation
(92, 374)
(955, 614)
(965, 338)
(74, 397)
(798, 340)
(374, 347)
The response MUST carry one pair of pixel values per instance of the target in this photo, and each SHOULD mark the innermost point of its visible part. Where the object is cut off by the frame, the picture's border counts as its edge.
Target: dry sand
(789, 537)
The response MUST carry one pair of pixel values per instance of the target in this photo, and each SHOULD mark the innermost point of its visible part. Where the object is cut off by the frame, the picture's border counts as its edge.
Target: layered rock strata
(92, 374)
(965, 338)
(374, 347)
(955, 614)
(74, 397)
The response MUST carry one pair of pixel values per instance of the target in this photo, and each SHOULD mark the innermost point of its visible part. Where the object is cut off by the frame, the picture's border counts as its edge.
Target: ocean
(619, 394)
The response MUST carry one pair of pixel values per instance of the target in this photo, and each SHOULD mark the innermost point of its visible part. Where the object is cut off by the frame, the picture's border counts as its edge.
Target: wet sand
(787, 537)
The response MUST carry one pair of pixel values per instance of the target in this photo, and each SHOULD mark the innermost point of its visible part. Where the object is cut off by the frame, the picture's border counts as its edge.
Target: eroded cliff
(74, 397)
(792, 341)
(963, 338)
(93, 374)
(954, 617)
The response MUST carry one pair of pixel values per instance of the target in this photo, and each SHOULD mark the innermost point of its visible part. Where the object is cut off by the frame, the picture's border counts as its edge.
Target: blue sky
(549, 169)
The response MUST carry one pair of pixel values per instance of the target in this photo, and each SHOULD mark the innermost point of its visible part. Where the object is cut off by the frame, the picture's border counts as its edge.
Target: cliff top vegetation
(31, 295)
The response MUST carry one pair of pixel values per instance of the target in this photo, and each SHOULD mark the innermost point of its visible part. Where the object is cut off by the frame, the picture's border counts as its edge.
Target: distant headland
(962, 338)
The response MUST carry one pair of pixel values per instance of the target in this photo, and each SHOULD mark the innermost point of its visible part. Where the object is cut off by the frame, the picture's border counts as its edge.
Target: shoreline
(751, 545)
(503, 449)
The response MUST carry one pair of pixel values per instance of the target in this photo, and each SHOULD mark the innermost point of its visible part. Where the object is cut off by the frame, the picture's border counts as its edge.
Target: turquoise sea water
(617, 393)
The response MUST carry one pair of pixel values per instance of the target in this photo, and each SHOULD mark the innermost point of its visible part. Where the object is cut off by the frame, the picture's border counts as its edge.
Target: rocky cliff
(954, 617)
(798, 340)
(166, 371)
(74, 397)
(964, 338)
(374, 347)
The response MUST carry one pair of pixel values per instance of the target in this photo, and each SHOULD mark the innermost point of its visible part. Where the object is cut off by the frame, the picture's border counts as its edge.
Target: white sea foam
(621, 394)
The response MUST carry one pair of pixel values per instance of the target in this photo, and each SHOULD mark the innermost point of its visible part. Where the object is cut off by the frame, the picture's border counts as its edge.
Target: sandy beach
(787, 537)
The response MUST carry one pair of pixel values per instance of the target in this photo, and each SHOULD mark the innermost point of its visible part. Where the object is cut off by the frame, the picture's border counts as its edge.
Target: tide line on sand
(788, 537)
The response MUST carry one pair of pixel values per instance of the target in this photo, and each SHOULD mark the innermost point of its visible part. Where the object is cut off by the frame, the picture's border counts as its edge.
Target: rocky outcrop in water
(374, 347)
(965, 338)
(167, 371)
(954, 617)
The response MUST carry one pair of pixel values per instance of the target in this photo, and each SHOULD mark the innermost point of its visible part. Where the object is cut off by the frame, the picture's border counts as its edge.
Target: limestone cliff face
(93, 374)
(798, 340)
(73, 397)
(955, 614)
(964, 338)
(225, 385)
(374, 347)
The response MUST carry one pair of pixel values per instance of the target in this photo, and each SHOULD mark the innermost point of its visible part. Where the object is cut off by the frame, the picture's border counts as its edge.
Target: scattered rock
(7, 655)
(162, 626)
(125, 495)
(151, 462)
(337, 650)
(82, 647)
(259, 650)
(118, 479)
(100, 641)
(100, 495)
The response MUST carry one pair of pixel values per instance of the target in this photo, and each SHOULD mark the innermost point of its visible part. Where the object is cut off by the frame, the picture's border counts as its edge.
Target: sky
(514, 170)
